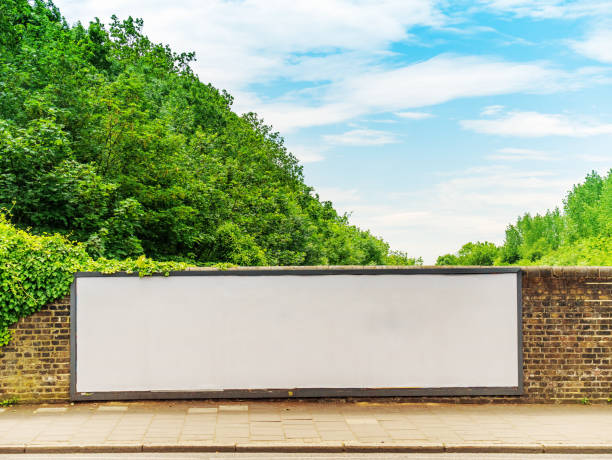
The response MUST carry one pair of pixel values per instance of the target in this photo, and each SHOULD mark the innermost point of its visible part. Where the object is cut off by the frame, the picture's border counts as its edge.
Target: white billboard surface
(207, 333)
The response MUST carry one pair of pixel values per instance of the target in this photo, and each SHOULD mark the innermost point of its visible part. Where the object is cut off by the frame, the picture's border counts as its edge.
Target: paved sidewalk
(263, 426)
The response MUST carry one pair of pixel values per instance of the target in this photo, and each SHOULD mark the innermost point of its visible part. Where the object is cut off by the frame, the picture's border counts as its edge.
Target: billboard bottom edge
(297, 393)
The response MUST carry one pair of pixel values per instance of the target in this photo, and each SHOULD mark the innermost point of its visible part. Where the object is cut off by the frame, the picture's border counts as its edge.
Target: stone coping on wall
(554, 270)
(577, 271)
(569, 272)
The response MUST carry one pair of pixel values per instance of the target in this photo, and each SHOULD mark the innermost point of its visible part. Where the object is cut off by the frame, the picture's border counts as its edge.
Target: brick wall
(567, 327)
(35, 365)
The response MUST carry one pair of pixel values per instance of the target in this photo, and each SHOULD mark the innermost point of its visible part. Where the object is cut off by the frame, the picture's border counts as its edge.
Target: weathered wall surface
(35, 365)
(567, 322)
(567, 343)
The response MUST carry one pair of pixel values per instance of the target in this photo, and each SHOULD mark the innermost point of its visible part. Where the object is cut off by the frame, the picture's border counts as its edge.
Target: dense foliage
(35, 270)
(580, 234)
(111, 140)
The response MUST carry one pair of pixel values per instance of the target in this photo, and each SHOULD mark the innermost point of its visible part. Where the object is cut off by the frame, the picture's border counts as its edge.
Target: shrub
(36, 270)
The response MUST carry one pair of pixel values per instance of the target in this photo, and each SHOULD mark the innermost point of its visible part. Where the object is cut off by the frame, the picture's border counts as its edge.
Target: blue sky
(432, 122)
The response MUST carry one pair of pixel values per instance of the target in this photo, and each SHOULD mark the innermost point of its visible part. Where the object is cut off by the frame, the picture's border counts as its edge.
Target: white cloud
(491, 110)
(434, 81)
(286, 117)
(502, 186)
(535, 124)
(550, 9)
(387, 121)
(341, 198)
(441, 79)
(241, 42)
(361, 137)
(603, 158)
(306, 154)
(519, 154)
(597, 45)
(414, 115)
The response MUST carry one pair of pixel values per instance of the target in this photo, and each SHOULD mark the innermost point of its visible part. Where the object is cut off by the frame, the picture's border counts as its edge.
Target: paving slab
(202, 410)
(305, 426)
(50, 410)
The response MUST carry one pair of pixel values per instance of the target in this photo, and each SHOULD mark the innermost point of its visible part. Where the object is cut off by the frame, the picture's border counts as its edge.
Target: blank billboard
(258, 333)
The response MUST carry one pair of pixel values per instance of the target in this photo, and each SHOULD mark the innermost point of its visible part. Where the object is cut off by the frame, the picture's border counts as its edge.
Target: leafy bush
(402, 258)
(471, 254)
(588, 251)
(36, 270)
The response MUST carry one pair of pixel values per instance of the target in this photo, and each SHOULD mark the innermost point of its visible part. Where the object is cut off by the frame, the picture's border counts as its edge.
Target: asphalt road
(262, 456)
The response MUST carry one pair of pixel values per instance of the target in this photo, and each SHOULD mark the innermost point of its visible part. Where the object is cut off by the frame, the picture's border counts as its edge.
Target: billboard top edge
(310, 271)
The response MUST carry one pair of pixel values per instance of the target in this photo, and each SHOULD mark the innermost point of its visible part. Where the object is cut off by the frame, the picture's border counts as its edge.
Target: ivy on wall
(36, 270)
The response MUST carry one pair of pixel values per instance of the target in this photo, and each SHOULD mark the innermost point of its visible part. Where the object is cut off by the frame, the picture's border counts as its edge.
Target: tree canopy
(579, 234)
(113, 141)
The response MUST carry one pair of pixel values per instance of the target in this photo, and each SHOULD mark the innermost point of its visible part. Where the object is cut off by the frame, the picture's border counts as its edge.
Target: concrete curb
(533, 448)
(578, 449)
(279, 447)
(68, 448)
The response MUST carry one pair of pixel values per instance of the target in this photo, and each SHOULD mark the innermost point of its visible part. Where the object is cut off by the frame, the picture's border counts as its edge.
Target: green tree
(112, 140)
(478, 253)
(582, 208)
(580, 234)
